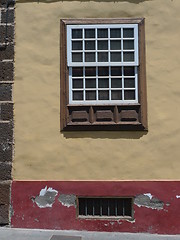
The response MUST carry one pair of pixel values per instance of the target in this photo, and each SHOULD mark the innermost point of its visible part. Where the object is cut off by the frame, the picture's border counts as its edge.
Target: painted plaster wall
(41, 151)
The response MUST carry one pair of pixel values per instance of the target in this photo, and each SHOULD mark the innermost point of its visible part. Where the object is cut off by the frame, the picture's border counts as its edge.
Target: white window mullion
(97, 83)
(84, 92)
(122, 60)
(70, 85)
(136, 84)
(109, 83)
(123, 84)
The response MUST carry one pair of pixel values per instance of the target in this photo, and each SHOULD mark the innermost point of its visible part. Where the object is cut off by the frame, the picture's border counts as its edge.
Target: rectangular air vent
(105, 207)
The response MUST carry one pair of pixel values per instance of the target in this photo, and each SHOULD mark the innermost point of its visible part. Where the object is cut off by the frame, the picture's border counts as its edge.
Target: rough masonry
(6, 104)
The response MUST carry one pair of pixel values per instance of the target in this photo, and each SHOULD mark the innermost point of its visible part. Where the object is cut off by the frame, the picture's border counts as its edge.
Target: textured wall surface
(6, 105)
(53, 205)
(41, 151)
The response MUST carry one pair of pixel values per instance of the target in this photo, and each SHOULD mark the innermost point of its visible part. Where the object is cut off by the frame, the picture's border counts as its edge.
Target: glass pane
(115, 44)
(129, 71)
(116, 57)
(128, 44)
(116, 82)
(115, 33)
(129, 83)
(76, 57)
(103, 57)
(89, 33)
(128, 32)
(76, 33)
(103, 83)
(90, 95)
(77, 71)
(90, 83)
(103, 95)
(129, 95)
(90, 45)
(77, 83)
(90, 71)
(116, 71)
(116, 95)
(89, 57)
(128, 57)
(103, 71)
(77, 45)
(102, 45)
(102, 33)
(78, 95)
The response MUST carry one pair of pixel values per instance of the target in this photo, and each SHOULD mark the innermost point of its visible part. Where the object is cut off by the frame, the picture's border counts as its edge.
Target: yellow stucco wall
(41, 151)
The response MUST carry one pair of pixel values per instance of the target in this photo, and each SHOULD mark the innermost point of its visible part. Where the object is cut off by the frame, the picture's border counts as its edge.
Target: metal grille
(105, 207)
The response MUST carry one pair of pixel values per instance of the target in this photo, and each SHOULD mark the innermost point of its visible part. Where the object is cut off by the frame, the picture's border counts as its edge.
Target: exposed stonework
(6, 104)
(67, 200)
(148, 201)
(46, 197)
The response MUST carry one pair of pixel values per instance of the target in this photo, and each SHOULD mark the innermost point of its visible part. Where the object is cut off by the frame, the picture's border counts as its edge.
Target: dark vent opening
(105, 207)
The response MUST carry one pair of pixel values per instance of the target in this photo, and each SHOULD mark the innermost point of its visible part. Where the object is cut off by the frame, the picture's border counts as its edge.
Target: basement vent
(105, 207)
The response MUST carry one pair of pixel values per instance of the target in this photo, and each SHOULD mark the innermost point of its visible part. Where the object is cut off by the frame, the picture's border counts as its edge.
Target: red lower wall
(159, 215)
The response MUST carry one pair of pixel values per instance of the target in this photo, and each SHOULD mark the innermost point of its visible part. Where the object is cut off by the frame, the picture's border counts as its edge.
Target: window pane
(90, 95)
(115, 44)
(102, 33)
(128, 44)
(76, 57)
(128, 57)
(77, 83)
(77, 45)
(102, 45)
(115, 33)
(116, 95)
(129, 83)
(103, 57)
(116, 71)
(76, 33)
(116, 82)
(103, 95)
(128, 32)
(90, 83)
(116, 57)
(90, 71)
(103, 83)
(129, 71)
(129, 95)
(77, 71)
(89, 33)
(78, 95)
(103, 71)
(90, 45)
(89, 57)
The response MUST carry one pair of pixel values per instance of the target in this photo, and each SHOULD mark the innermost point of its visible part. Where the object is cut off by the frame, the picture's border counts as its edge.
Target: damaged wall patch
(67, 200)
(46, 197)
(148, 201)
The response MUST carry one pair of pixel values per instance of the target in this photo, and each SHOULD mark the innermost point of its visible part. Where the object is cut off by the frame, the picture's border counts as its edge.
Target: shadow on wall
(105, 134)
(52, 1)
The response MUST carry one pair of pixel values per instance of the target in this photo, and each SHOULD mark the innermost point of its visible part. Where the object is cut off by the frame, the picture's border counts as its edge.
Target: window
(103, 85)
(105, 207)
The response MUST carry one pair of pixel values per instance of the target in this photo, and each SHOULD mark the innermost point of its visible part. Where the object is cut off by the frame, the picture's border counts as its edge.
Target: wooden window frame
(103, 117)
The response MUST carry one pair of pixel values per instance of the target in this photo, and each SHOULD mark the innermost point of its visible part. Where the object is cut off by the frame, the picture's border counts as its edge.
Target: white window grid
(83, 64)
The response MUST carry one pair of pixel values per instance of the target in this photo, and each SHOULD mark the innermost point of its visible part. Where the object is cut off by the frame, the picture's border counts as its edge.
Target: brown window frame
(103, 117)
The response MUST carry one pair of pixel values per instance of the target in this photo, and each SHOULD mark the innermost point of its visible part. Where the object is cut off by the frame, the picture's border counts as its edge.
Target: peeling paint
(177, 196)
(67, 200)
(149, 195)
(46, 197)
(148, 201)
